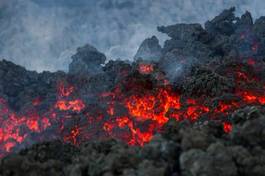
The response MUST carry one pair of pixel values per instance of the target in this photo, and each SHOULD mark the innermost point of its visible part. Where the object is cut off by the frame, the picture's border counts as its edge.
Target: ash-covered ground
(194, 107)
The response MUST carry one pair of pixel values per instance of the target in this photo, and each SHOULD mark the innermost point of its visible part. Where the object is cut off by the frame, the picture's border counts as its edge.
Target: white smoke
(42, 35)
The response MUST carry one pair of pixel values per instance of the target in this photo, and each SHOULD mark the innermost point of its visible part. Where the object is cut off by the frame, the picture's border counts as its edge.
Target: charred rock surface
(149, 50)
(87, 61)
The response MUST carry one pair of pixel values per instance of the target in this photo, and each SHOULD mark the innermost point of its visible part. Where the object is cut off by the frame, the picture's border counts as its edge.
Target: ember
(64, 90)
(227, 127)
(74, 105)
(146, 68)
(251, 61)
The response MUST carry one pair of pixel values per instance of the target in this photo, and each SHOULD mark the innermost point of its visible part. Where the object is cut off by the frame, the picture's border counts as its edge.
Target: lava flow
(132, 117)
(146, 68)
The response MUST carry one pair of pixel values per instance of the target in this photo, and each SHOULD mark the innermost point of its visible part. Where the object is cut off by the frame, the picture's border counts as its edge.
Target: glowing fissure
(146, 113)
(145, 68)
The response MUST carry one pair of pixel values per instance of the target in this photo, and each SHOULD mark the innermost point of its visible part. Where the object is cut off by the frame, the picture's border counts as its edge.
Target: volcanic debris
(204, 64)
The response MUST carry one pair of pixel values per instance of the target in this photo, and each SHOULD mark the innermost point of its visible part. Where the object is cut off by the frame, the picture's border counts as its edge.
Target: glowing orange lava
(227, 127)
(145, 68)
(64, 90)
(73, 105)
(132, 117)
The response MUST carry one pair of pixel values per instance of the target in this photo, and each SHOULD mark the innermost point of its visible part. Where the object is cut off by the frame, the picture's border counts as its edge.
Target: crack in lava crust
(132, 117)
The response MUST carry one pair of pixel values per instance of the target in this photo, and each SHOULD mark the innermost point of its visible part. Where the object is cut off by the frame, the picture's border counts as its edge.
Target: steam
(42, 35)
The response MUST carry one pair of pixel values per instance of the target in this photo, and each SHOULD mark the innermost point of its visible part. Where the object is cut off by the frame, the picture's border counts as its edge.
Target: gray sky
(43, 34)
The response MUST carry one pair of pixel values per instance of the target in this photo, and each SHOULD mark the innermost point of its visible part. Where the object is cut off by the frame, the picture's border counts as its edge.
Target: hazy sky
(43, 34)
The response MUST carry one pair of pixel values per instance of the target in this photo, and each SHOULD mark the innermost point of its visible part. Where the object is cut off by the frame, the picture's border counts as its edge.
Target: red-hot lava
(145, 68)
(143, 114)
(227, 127)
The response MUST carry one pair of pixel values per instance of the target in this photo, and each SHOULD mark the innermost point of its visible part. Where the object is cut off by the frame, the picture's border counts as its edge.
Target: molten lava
(73, 105)
(227, 127)
(133, 118)
(146, 68)
(64, 90)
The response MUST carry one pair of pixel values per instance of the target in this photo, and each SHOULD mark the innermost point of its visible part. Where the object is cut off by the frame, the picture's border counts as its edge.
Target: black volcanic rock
(216, 160)
(87, 61)
(207, 82)
(249, 127)
(246, 21)
(184, 32)
(259, 27)
(190, 40)
(149, 50)
(20, 86)
(223, 24)
(224, 37)
(44, 159)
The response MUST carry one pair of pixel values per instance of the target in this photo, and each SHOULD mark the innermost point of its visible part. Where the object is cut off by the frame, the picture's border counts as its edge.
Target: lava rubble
(194, 107)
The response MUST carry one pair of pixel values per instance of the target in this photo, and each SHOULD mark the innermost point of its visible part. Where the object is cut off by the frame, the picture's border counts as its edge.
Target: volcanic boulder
(87, 61)
(216, 160)
(222, 24)
(187, 39)
(20, 87)
(149, 50)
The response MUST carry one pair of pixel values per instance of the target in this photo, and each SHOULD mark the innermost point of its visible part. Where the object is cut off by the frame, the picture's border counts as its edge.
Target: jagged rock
(249, 162)
(105, 158)
(171, 130)
(149, 50)
(245, 22)
(251, 131)
(148, 167)
(259, 27)
(195, 139)
(20, 86)
(42, 159)
(183, 32)
(217, 160)
(163, 151)
(207, 82)
(248, 113)
(87, 61)
(223, 24)
(11, 82)
(188, 39)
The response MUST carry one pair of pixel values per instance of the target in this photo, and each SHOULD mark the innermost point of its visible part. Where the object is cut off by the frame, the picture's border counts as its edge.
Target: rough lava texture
(150, 50)
(196, 61)
(87, 61)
